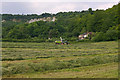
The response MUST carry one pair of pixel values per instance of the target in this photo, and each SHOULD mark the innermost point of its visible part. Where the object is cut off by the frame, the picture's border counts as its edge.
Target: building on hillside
(3, 21)
(85, 35)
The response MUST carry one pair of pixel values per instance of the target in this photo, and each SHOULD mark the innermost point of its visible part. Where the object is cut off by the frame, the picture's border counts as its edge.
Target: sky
(39, 7)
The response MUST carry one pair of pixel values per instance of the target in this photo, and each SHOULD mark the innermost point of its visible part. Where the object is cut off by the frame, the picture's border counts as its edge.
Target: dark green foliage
(110, 35)
(90, 10)
(46, 15)
(99, 37)
(24, 17)
(68, 24)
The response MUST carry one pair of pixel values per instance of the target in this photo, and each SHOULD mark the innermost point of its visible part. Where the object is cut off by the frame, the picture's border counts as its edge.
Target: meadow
(48, 60)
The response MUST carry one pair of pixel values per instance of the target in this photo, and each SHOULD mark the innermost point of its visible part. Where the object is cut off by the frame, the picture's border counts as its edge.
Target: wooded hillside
(69, 25)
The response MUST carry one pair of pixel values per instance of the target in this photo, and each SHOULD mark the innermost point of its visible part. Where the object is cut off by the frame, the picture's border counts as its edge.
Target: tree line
(103, 23)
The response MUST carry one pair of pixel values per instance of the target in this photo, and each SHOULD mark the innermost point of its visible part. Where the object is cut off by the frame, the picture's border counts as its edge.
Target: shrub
(99, 37)
(111, 35)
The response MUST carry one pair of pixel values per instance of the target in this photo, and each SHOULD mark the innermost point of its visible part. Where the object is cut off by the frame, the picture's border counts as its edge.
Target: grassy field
(48, 60)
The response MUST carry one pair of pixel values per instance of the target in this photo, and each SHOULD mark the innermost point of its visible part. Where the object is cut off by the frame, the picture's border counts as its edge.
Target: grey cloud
(51, 7)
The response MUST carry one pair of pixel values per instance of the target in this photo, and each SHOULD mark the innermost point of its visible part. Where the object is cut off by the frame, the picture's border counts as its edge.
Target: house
(3, 21)
(85, 35)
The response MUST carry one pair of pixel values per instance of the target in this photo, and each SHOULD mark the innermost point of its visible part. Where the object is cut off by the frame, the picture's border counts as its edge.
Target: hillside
(103, 23)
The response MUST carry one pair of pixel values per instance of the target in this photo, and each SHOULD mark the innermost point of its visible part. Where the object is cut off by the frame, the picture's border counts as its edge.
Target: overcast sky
(51, 7)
